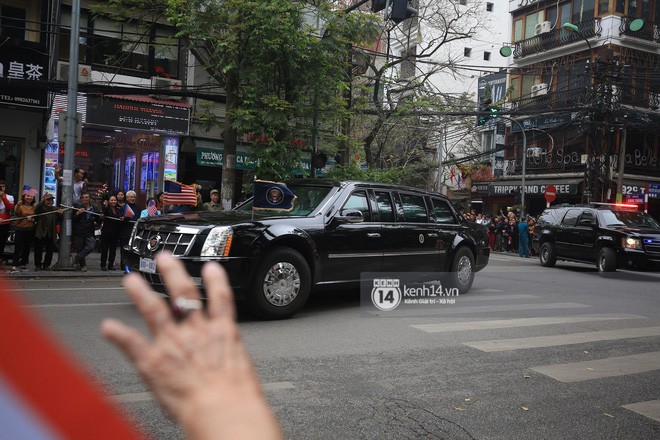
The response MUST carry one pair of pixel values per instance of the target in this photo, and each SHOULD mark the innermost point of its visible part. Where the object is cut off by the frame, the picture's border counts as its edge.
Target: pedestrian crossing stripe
(519, 322)
(568, 339)
(41, 386)
(602, 368)
(650, 409)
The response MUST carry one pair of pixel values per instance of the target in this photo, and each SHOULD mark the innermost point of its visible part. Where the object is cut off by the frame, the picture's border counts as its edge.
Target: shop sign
(654, 190)
(542, 122)
(212, 157)
(19, 63)
(533, 189)
(122, 113)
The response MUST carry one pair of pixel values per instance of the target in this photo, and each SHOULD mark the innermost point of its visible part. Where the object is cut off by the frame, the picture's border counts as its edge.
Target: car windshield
(633, 219)
(308, 198)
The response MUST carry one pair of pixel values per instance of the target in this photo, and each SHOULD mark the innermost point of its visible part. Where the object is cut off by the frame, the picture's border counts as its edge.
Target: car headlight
(218, 242)
(131, 239)
(632, 243)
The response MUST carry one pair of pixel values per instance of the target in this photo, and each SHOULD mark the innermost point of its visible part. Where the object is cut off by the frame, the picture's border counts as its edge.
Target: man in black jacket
(84, 224)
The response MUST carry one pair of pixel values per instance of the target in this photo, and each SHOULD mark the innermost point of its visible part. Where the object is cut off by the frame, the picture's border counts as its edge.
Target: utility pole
(440, 139)
(64, 258)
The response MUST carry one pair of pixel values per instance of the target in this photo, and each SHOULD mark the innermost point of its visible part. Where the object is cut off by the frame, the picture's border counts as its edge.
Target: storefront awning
(151, 100)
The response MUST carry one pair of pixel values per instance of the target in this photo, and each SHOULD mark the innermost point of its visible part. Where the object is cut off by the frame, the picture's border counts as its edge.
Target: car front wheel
(547, 255)
(461, 275)
(281, 285)
(606, 260)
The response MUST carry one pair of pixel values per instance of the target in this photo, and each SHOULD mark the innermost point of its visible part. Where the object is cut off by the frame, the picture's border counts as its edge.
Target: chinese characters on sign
(17, 63)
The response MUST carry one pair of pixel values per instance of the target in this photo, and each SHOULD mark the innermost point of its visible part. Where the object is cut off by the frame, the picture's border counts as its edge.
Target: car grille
(177, 243)
(652, 246)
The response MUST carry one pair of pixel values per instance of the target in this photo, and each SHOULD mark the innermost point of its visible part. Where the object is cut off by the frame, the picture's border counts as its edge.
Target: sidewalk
(93, 268)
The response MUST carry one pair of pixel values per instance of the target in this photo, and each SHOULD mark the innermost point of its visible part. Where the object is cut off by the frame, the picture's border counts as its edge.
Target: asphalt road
(529, 353)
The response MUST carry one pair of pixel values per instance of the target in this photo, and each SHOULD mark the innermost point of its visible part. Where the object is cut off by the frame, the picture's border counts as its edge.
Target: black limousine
(335, 231)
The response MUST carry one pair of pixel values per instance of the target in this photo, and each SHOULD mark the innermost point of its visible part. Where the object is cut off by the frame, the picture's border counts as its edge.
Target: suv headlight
(218, 242)
(632, 243)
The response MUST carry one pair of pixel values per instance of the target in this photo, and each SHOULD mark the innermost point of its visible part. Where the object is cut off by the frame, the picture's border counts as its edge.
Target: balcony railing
(650, 31)
(556, 38)
(572, 98)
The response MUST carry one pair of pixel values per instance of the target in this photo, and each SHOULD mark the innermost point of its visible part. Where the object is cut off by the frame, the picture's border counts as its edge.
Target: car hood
(646, 232)
(204, 219)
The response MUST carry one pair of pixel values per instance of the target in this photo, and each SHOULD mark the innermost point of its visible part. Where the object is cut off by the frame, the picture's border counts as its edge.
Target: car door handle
(432, 234)
(373, 235)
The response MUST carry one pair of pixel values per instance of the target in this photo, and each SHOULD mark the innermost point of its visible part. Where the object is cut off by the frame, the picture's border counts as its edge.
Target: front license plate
(147, 265)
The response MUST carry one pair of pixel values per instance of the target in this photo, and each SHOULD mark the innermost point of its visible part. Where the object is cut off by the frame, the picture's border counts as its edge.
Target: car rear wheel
(606, 260)
(281, 285)
(461, 275)
(547, 256)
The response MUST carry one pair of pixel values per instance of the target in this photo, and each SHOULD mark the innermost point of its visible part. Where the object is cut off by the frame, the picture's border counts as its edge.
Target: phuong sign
(20, 63)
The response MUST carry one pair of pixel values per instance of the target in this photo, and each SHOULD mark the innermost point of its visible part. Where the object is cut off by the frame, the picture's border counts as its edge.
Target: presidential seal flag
(272, 195)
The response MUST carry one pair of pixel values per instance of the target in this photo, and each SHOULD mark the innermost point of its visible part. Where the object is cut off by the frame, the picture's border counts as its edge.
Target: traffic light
(401, 11)
(484, 111)
(378, 5)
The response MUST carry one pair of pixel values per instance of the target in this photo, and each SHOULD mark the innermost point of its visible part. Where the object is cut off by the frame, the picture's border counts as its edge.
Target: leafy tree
(274, 68)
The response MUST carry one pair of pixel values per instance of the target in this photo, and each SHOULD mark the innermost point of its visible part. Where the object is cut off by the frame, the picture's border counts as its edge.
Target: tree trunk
(227, 190)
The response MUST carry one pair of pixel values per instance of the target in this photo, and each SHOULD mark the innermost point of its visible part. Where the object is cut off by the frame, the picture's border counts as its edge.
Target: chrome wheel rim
(601, 262)
(544, 254)
(281, 284)
(464, 270)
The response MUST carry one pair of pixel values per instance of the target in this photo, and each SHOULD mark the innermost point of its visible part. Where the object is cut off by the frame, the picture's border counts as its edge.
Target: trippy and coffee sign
(22, 65)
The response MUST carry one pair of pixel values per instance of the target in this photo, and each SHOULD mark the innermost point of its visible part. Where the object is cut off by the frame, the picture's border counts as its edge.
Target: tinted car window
(358, 200)
(551, 217)
(587, 217)
(385, 209)
(635, 219)
(570, 219)
(414, 208)
(442, 212)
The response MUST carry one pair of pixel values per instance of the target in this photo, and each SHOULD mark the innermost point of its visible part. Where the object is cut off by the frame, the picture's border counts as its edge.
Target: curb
(64, 274)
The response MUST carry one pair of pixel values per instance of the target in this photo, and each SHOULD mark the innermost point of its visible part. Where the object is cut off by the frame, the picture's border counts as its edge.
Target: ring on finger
(182, 307)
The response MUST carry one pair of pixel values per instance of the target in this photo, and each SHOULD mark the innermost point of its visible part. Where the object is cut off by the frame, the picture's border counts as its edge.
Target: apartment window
(467, 52)
(489, 7)
(127, 48)
(12, 22)
(486, 56)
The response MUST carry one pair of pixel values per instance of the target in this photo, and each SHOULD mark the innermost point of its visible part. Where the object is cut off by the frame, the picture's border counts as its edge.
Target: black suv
(610, 235)
(335, 231)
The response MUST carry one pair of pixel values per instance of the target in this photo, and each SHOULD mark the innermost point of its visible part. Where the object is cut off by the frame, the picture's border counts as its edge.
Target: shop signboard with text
(23, 64)
(149, 116)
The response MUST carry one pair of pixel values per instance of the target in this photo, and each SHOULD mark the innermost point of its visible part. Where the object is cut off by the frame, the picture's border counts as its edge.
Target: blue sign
(654, 190)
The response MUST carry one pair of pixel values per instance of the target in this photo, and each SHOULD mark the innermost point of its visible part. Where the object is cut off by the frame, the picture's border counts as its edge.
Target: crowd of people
(36, 223)
(507, 232)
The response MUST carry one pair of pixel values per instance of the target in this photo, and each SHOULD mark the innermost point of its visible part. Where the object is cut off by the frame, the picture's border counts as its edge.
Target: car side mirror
(350, 216)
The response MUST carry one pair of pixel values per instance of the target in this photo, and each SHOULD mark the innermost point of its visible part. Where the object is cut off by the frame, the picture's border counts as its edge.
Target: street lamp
(570, 27)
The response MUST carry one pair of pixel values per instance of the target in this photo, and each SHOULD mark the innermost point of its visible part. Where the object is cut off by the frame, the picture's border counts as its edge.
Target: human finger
(220, 298)
(131, 342)
(178, 282)
(151, 306)
(175, 277)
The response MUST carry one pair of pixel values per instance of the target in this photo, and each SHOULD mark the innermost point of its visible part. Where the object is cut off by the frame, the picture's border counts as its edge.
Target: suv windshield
(633, 219)
(308, 198)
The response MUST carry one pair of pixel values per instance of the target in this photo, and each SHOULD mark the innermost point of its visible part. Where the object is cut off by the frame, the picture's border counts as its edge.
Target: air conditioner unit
(539, 89)
(543, 27)
(158, 83)
(84, 72)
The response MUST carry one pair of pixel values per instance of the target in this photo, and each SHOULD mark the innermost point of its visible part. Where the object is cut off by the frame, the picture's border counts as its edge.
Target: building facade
(585, 92)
